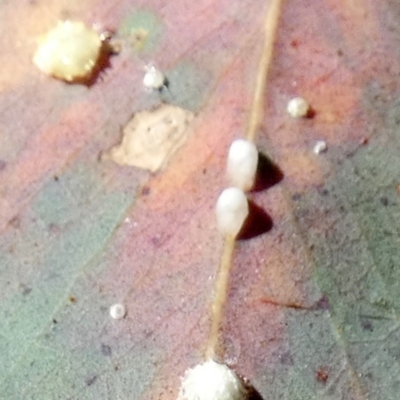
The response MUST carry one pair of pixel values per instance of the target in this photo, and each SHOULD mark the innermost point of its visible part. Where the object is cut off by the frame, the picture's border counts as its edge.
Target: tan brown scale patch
(151, 138)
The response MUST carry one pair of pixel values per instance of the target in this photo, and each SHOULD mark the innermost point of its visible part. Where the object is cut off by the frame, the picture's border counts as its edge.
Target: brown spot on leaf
(138, 38)
(145, 191)
(384, 201)
(322, 303)
(25, 290)
(294, 43)
(106, 350)
(15, 222)
(322, 375)
(151, 138)
(91, 380)
(367, 325)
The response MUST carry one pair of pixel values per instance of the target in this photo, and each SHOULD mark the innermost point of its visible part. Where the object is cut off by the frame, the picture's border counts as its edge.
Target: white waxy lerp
(231, 210)
(153, 78)
(298, 107)
(242, 164)
(211, 381)
(320, 147)
(117, 311)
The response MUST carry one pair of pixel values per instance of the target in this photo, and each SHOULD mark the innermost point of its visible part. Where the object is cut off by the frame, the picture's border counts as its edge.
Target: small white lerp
(320, 147)
(211, 381)
(153, 78)
(242, 164)
(117, 311)
(298, 107)
(231, 211)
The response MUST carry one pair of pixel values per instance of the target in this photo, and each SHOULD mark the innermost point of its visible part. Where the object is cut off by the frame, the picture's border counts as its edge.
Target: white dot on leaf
(320, 147)
(153, 78)
(117, 311)
(298, 107)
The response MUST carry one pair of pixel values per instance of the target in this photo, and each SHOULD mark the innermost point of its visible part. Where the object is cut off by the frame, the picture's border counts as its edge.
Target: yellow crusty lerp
(69, 51)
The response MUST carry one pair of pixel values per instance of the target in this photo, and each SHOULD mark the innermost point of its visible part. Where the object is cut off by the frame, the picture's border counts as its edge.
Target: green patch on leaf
(142, 29)
(72, 219)
(356, 253)
(188, 86)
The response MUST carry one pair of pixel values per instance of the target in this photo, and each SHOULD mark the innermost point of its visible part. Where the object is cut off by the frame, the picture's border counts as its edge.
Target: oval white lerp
(298, 107)
(231, 211)
(242, 164)
(211, 381)
(117, 311)
(153, 78)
